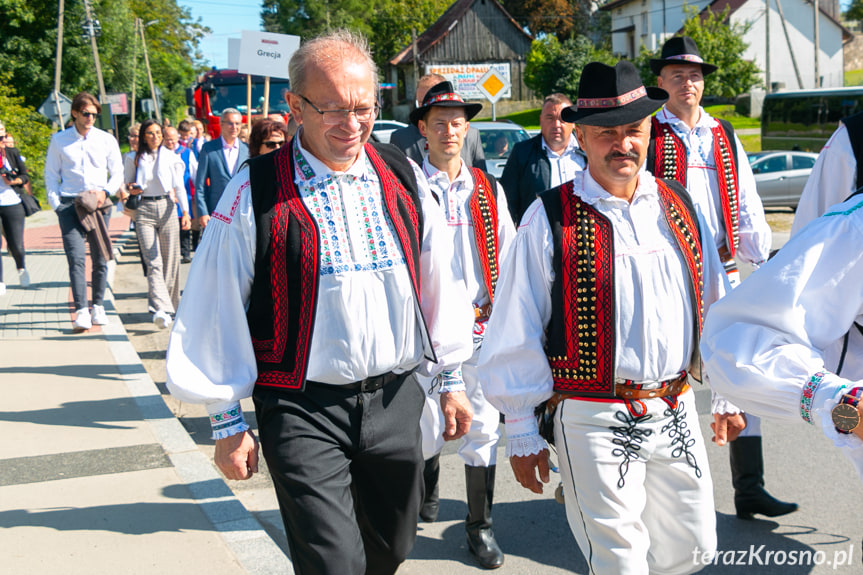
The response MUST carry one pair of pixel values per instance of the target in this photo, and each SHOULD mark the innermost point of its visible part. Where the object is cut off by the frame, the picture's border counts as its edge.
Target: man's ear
(421, 125)
(579, 135)
(295, 104)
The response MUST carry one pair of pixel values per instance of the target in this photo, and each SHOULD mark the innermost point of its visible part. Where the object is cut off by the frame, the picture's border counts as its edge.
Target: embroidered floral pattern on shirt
(355, 230)
(808, 394)
(227, 423)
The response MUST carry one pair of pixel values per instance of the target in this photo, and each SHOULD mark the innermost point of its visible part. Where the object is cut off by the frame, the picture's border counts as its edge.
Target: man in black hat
(704, 155)
(476, 213)
(598, 313)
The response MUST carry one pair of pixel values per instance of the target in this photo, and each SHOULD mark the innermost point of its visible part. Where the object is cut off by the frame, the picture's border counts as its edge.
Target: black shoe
(431, 503)
(480, 537)
(747, 475)
(186, 260)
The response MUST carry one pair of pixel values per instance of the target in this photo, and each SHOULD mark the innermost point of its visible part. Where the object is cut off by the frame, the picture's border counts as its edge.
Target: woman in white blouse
(156, 173)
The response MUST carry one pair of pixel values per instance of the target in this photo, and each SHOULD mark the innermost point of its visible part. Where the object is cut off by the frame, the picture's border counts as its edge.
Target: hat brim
(470, 110)
(620, 115)
(657, 65)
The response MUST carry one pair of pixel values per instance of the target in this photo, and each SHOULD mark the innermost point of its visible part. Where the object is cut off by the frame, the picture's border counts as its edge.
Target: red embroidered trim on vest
(669, 154)
(587, 264)
(290, 204)
(391, 186)
(483, 212)
(272, 351)
(685, 231)
(670, 162)
(728, 188)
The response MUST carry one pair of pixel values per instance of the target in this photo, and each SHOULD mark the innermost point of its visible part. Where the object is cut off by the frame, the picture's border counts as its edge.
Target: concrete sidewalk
(96, 474)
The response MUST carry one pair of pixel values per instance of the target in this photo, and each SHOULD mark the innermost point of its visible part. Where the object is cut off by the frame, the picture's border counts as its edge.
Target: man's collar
(431, 171)
(571, 145)
(320, 169)
(592, 192)
(225, 144)
(705, 120)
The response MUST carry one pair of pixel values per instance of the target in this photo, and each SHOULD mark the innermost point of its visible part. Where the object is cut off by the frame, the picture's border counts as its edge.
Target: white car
(383, 128)
(498, 138)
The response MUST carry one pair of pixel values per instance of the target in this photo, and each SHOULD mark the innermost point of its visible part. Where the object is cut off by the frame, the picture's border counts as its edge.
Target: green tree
(555, 66)
(719, 42)
(854, 13)
(30, 130)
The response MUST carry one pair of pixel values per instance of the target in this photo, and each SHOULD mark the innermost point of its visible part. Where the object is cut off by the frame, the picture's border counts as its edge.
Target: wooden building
(461, 45)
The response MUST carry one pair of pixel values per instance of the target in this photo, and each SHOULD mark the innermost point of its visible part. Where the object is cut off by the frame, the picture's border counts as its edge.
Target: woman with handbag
(154, 178)
(13, 177)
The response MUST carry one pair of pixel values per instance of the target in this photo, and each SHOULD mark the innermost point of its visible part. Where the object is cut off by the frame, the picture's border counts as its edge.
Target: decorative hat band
(592, 103)
(443, 98)
(687, 57)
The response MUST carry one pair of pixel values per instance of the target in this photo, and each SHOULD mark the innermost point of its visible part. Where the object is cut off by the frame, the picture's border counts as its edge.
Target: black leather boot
(480, 537)
(747, 475)
(431, 503)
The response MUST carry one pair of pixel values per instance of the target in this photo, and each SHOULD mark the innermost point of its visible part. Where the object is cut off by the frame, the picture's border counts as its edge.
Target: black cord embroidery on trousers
(679, 433)
(628, 439)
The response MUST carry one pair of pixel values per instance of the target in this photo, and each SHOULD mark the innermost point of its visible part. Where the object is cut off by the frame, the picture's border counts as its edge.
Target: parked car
(781, 175)
(498, 138)
(383, 128)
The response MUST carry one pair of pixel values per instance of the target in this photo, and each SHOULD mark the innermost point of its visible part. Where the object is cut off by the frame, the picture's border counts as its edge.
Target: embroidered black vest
(667, 159)
(283, 299)
(580, 342)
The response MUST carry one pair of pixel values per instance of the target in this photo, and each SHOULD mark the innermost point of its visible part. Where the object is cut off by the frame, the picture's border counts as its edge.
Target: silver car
(382, 129)
(781, 175)
(498, 138)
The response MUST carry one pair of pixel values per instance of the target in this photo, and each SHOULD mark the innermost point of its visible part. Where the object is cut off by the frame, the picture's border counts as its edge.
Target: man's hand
(525, 466)
(237, 455)
(457, 414)
(101, 195)
(202, 221)
(185, 222)
(726, 427)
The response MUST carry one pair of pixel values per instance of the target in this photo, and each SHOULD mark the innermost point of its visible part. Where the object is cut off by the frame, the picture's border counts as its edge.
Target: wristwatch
(845, 416)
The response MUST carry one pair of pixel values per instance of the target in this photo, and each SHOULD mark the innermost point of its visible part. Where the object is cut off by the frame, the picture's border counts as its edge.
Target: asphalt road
(824, 536)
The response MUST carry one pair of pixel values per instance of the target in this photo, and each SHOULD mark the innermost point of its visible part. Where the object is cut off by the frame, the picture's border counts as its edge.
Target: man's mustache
(631, 155)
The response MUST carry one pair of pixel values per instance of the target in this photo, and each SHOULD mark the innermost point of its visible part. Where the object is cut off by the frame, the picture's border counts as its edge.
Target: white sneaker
(2, 288)
(82, 320)
(24, 278)
(162, 319)
(99, 315)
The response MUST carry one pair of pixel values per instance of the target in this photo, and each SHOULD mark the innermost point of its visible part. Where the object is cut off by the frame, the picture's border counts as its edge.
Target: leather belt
(153, 198)
(482, 313)
(373, 383)
(623, 391)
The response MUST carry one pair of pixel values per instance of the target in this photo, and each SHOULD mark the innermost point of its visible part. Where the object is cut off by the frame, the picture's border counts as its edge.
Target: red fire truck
(217, 90)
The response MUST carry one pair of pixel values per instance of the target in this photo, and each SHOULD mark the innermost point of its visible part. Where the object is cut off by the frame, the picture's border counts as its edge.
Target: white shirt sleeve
(833, 179)
(517, 376)
(53, 163)
(755, 236)
(766, 339)
(216, 365)
(115, 165)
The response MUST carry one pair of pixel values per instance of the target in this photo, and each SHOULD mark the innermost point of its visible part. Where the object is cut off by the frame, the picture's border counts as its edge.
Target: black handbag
(31, 204)
(133, 202)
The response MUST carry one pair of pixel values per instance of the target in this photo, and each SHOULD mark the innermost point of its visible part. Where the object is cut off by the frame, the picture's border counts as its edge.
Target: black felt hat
(445, 96)
(681, 50)
(612, 96)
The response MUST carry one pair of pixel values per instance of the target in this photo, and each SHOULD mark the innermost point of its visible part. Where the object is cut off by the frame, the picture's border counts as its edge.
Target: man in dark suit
(547, 160)
(218, 161)
(413, 144)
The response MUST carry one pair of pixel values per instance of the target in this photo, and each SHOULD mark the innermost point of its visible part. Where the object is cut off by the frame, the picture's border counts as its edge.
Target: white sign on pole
(119, 104)
(266, 54)
(234, 53)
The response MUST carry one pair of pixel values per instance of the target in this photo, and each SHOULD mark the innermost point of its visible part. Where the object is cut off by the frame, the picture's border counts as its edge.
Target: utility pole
(788, 41)
(91, 32)
(817, 49)
(767, 47)
(58, 65)
(134, 69)
(149, 74)
(415, 52)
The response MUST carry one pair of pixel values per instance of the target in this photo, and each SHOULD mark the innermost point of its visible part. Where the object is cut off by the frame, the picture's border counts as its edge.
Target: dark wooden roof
(438, 31)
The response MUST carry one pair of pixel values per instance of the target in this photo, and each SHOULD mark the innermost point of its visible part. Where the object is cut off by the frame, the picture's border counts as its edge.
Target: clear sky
(226, 19)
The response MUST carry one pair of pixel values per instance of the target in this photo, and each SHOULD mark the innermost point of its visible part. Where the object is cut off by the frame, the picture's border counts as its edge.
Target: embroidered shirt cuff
(228, 422)
(525, 445)
(450, 381)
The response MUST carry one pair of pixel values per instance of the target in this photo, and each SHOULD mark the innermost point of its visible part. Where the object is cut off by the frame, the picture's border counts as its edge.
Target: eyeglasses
(89, 114)
(133, 136)
(336, 117)
(273, 144)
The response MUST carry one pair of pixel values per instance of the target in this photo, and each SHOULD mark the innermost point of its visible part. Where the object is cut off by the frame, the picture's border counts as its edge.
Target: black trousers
(347, 466)
(12, 224)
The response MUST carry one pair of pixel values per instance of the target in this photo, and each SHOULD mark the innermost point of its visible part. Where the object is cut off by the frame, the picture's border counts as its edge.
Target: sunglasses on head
(273, 145)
